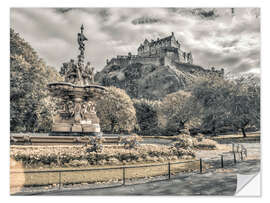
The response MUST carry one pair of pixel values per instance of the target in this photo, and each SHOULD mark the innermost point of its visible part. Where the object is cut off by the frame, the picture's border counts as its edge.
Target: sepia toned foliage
(232, 103)
(179, 110)
(95, 144)
(147, 116)
(66, 156)
(211, 94)
(30, 106)
(131, 142)
(185, 141)
(244, 104)
(116, 112)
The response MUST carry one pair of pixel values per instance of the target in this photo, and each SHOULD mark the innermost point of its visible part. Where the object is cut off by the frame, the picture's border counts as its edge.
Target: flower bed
(77, 156)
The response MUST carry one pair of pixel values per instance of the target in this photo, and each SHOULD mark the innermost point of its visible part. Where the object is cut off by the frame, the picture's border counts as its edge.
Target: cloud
(63, 10)
(216, 36)
(145, 20)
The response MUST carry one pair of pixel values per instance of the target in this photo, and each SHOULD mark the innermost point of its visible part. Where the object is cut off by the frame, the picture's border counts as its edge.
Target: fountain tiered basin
(76, 113)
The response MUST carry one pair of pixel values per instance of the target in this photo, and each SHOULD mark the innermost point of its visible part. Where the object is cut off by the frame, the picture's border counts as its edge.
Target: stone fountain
(76, 113)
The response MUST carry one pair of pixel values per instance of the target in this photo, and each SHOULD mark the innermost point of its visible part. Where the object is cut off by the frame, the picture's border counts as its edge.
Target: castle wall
(167, 61)
(185, 57)
(118, 61)
(146, 60)
(122, 60)
(174, 43)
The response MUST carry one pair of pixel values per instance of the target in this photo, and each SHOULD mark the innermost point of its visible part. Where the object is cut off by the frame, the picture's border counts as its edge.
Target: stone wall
(122, 60)
(146, 60)
(193, 68)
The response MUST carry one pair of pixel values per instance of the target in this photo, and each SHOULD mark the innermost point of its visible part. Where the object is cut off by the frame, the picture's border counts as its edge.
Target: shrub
(78, 163)
(185, 141)
(206, 144)
(95, 144)
(113, 161)
(130, 142)
(75, 156)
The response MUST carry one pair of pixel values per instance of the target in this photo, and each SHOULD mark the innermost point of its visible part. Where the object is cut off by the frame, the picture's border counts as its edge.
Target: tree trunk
(243, 132)
(214, 131)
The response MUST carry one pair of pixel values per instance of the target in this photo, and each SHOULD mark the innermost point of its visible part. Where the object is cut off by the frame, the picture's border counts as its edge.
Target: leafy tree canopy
(30, 106)
(116, 112)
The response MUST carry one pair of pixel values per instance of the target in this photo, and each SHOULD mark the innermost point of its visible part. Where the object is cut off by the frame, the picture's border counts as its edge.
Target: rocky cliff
(150, 81)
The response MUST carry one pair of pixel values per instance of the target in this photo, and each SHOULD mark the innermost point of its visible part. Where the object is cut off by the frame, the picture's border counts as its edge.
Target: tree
(116, 112)
(245, 103)
(147, 116)
(30, 106)
(228, 102)
(212, 95)
(179, 110)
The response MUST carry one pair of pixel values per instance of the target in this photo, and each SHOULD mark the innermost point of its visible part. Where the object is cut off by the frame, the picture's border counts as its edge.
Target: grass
(237, 136)
(250, 135)
(51, 178)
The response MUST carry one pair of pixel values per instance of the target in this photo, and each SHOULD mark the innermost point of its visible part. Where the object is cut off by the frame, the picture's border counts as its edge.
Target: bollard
(169, 170)
(222, 165)
(59, 181)
(233, 147)
(234, 158)
(241, 156)
(200, 165)
(124, 176)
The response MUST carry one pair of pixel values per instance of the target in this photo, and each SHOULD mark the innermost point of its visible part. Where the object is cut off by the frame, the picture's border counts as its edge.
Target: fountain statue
(76, 113)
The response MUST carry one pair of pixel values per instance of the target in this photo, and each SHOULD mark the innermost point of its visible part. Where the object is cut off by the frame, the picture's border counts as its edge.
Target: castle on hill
(159, 52)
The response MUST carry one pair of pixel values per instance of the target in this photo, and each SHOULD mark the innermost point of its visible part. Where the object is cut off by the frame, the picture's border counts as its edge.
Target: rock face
(148, 80)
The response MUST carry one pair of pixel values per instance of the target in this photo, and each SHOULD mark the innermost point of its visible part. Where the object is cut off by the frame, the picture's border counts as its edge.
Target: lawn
(238, 136)
(251, 137)
(76, 176)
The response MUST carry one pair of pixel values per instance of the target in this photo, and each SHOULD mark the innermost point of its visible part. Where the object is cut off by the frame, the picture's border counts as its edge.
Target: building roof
(161, 40)
(154, 42)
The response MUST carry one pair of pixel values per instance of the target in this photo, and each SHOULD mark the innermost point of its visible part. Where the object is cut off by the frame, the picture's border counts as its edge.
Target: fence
(125, 173)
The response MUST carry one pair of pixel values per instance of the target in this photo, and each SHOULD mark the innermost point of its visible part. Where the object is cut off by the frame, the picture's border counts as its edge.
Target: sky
(217, 37)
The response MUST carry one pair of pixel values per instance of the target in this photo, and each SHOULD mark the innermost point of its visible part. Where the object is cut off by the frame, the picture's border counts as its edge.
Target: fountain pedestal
(76, 113)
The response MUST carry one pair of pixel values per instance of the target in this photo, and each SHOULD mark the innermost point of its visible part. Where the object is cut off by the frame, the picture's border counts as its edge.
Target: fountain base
(76, 115)
(74, 134)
